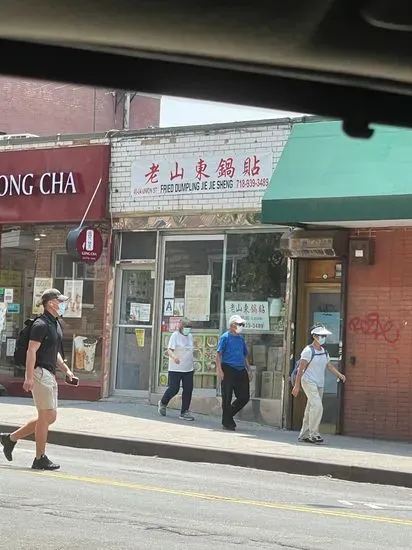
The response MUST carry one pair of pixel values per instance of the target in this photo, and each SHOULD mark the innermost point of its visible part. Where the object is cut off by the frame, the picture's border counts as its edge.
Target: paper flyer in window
(169, 289)
(197, 297)
(73, 289)
(3, 310)
(39, 286)
(179, 307)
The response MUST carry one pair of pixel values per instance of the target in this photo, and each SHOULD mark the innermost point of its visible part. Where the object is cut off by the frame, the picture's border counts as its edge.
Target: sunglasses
(240, 324)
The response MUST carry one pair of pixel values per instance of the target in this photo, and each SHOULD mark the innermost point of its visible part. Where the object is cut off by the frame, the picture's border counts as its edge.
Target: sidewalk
(136, 428)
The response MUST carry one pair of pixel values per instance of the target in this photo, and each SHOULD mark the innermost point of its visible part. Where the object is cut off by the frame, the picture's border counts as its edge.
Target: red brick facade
(378, 393)
(48, 108)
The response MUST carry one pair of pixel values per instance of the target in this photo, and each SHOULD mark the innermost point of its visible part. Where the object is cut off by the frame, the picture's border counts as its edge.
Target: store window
(193, 289)
(31, 260)
(65, 268)
(17, 264)
(254, 287)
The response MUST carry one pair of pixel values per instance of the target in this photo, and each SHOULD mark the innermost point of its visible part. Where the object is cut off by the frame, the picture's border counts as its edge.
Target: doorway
(132, 349)
(320, 302)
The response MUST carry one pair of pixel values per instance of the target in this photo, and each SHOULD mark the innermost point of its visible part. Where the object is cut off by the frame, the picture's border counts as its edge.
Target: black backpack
(22, 343)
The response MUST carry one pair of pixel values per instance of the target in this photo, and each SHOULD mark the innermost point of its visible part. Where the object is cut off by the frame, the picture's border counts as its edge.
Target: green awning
(323, 176)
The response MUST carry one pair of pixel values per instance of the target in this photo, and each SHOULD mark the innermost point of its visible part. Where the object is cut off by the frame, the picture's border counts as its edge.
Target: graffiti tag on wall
(373, 325)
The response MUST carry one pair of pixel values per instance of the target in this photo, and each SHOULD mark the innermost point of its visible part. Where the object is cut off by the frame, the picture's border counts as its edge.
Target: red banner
(54, 185)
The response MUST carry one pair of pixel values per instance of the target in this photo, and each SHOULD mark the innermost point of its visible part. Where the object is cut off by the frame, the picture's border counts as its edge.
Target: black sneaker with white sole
(161, 408)
(8, 446)
(315, 439)
(44, 463)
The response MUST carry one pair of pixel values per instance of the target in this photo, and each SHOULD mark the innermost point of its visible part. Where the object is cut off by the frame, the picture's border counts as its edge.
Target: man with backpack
(310, 374)
(41, 345)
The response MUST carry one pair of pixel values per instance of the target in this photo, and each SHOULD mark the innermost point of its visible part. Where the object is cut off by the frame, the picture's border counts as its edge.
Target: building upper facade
(46, 108)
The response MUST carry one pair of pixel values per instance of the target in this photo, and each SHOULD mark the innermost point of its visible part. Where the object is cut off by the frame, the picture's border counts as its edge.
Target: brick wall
(378, 392)
(217, 139)
(47, 108)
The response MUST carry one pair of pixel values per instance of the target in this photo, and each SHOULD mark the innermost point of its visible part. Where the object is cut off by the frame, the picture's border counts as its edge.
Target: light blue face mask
(62, 308)
(322, 340)
(186, 331)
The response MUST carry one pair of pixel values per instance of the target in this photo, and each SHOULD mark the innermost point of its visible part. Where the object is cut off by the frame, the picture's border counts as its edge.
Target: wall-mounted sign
(84, 244)
(211, 173)
(256, 314)
(38, 185)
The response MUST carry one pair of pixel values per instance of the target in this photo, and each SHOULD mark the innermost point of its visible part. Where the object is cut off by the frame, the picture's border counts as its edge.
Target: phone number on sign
(255, 326)
(252, 182)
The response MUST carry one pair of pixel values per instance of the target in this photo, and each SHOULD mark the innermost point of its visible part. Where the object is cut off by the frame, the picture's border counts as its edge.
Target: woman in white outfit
(311, 376)
(181, 369)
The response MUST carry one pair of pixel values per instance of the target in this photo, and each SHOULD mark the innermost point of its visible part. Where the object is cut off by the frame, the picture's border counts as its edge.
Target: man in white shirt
(311, 376)
(181, 370)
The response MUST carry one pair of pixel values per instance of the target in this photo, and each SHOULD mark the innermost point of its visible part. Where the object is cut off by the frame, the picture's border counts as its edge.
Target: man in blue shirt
(233, 371)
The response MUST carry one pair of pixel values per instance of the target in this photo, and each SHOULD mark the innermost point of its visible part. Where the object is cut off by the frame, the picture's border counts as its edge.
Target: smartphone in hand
(73, 382)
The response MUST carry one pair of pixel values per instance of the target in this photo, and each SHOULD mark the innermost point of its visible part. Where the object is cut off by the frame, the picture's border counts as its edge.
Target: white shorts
(44, 390)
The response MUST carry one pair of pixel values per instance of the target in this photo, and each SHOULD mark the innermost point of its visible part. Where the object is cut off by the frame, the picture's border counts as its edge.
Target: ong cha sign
(84, 244)
(217, 173)
(54, 184)
(48, 183)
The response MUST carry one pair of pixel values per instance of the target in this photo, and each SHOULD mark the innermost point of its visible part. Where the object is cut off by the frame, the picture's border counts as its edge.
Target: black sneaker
(43, 463)
(229, 428)
(316, 440)
(8, 446)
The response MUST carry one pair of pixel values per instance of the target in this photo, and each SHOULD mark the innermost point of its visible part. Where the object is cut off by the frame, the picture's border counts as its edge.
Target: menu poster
(204, 352)
(73, 289)
(40, 285)
(197, 297)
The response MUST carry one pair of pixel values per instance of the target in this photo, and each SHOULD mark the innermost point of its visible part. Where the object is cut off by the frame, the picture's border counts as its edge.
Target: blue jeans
(175, 378)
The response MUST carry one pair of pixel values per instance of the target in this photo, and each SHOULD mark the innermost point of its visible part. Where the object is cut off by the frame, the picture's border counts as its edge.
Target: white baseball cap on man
(320, 331)
(236, 320)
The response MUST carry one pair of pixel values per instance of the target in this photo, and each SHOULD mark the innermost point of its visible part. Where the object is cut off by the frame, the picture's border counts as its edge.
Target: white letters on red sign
(48, 183)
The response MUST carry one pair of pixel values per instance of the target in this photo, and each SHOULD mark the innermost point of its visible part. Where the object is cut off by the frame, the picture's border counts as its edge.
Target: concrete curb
(220, 456)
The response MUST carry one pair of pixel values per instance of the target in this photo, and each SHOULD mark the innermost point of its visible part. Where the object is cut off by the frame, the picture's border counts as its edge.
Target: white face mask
(186, 331)
(62, 308)
(239, 330)
(321, 340)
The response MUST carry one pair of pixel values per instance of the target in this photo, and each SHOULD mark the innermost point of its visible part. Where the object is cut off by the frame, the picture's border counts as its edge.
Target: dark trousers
(175, 378)
(237, 382)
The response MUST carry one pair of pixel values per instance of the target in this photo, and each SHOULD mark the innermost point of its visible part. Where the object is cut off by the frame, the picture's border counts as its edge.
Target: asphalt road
(102, 500)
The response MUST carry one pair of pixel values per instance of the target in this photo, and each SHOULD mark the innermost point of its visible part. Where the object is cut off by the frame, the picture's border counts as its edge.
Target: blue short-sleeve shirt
(233, 349)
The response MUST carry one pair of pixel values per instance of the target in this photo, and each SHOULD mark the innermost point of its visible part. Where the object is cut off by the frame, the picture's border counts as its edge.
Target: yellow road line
(220, 498)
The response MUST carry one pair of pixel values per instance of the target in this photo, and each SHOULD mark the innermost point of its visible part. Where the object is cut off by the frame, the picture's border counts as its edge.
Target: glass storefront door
(325, 307)
(322, 304)
(134, 328)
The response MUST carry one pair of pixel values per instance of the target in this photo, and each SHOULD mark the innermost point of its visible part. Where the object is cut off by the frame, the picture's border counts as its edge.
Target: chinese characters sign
(226, 172)
(256, 314)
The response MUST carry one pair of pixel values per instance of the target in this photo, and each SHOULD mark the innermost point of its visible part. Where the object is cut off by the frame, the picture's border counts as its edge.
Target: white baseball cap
(320, 331)
(236, 320)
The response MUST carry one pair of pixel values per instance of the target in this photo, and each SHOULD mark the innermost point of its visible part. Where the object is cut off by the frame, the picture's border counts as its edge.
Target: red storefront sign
(53, 185)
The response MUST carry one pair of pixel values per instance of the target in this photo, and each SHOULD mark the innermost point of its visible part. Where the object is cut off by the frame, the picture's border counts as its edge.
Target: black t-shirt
(46, 329)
